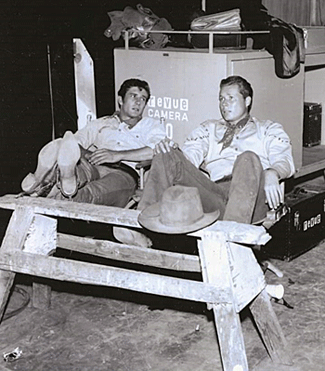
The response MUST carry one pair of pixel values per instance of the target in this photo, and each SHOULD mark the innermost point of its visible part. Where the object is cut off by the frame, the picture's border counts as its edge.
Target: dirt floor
(98, 328)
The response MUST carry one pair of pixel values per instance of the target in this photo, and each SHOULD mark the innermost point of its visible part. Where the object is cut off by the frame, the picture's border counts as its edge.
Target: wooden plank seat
(231, 276)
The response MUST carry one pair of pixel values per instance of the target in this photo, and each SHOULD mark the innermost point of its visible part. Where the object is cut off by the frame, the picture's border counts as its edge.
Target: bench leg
(270, 329)
(42, 239)
(230, 336)
(14, 239)
(215, 268)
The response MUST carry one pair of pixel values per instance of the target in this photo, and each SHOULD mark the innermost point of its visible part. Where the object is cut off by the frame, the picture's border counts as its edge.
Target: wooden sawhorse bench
(231, 276)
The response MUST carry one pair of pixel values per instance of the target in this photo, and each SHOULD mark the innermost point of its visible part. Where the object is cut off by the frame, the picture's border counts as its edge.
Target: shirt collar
(240, 124)
(130, 122)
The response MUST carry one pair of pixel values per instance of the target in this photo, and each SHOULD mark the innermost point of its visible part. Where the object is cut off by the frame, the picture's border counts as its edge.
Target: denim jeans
(113, 188)
(241, 199)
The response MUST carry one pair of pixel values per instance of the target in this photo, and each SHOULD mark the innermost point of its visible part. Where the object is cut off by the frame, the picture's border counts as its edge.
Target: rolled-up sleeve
(279, 150)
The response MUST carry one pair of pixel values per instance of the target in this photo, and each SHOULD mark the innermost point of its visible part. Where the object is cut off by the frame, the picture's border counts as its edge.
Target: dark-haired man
(96, 164)
(236, 162)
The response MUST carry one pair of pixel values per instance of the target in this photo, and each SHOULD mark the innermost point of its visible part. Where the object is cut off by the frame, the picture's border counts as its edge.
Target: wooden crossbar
(95, 274)
(73, 210)
(131, 254)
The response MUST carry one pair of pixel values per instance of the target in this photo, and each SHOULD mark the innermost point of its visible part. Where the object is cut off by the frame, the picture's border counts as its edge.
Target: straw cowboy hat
(179, 211)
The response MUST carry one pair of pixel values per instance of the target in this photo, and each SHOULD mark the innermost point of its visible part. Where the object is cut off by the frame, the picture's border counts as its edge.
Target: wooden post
(214, 256)
(42, 240)
(270, 329)
(14, 239)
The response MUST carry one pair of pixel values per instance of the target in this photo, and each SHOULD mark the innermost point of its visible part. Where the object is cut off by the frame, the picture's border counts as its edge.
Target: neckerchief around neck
(231, 131)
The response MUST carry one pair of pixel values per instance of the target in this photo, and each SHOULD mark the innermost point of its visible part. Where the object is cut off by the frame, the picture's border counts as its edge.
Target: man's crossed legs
(64, 171)
(241, 199)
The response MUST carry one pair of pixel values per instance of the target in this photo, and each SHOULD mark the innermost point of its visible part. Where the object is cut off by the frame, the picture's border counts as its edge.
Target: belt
(125, 168)
(118, 165)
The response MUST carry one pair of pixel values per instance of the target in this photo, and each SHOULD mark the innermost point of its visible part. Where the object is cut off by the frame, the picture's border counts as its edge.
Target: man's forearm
(283, 169)
(140, 154)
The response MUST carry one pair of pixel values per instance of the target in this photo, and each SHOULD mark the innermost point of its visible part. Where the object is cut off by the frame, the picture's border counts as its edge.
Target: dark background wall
(28, 28)
(32, 32)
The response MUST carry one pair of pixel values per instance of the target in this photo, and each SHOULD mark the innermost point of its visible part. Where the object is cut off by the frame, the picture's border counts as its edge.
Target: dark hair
(127, 84)
(244, 86)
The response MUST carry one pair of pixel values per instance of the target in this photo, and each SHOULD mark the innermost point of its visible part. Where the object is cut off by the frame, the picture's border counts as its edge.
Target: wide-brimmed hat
(179, 211)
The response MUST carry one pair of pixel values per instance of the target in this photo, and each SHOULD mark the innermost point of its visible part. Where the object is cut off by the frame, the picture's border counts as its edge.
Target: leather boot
(47, 158)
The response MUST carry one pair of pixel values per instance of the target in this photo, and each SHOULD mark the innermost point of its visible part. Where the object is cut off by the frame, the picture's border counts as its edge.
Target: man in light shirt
(97, 163)
(236, 163)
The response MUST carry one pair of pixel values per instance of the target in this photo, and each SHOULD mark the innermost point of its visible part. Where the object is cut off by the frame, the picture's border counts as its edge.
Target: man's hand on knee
(165, 146)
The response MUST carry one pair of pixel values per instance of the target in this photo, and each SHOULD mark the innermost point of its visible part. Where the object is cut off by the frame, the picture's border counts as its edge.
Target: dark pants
(241, 199)
(115, 188)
